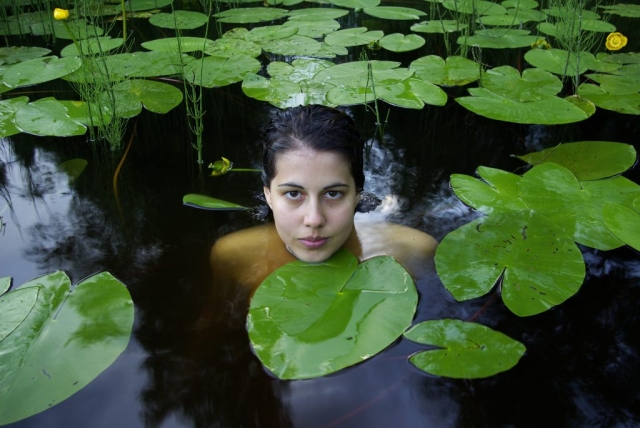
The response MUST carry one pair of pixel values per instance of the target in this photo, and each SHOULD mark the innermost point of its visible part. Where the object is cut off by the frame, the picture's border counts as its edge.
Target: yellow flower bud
(615, 41)
(60, 14)
(221, 167)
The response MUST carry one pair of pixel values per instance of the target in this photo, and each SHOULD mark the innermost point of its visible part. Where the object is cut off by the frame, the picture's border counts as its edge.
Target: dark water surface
(581, 369)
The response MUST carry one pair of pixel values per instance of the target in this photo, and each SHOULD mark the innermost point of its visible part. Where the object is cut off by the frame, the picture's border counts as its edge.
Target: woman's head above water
(312, 177)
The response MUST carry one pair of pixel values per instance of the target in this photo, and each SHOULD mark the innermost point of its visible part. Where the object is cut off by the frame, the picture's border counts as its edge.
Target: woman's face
(313, 198)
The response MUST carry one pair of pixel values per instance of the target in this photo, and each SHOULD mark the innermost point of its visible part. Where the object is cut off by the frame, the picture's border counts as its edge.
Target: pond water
(581, 368)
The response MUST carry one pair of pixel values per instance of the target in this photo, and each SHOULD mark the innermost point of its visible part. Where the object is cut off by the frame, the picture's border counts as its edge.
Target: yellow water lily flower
(540, 44)
(220, 167)
(615, 41)
(60, 14)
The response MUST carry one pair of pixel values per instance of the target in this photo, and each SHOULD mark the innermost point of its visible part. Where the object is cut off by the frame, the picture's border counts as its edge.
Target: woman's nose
(314, 216)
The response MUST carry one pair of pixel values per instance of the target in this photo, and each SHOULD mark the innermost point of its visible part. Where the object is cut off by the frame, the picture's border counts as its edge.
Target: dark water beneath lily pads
(581, 369)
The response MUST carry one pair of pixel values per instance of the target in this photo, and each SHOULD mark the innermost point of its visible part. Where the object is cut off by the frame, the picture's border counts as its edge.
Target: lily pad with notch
(622, 103)
(412, 93)
(536, 263)
(251, 15)
(454, 71)
(623, 9)
(15, 54)
(92, 46)
(623, 222)
(534, 84)
(179, 19)
(353, 37)
(498, 192)
(356, 4)
(394, 12)
(309, 320)
(157, 97)
(439, 26)
(499, 38)
(40, 70)
(47, 117)
(8, 109)
(401, 43)
(213, 71)
(295, 45)
(314, 29)
(317, 14)
(178, 44)
(474, 7)
(465, 350)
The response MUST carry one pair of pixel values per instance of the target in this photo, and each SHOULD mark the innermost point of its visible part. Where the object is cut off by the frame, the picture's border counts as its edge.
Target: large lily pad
(315, 29)
(213, 71)
(277, 92)
(513, 17)
(69, 336)
(179, 19)
(356, 4)
(47, 116)
(148, 64)
(364, 74)
(39, 70)
(465, 350)
(534, 85)
(228, 46)
(208, 203)
(295, 45)
(619, 83)
(587, 160)
(394, 12)
(401, 43)
(308, 320)
(92, 46)
(80, 29)
(573, 28)
(8, 109)
(499, 39)
(178, 44)
(555, 192)
(454, 71)
(621, 103)
(474, 7)
(157, 97)
(412, 93)
(498, 192)
(317, 14)
(353, 37)
(537, 263)
(559, 61)
(250, 15)
(623, 9)
(15, 54)
(269, 33)
(623, 222)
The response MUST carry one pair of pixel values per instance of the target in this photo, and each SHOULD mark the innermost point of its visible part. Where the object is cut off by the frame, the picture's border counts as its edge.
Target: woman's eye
(293, 194)
(334, 194)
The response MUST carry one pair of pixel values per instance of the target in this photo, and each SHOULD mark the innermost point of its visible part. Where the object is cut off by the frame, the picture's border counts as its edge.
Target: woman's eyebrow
(298, 186)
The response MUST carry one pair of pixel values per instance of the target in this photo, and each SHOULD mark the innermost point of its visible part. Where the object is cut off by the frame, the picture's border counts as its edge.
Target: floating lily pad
(79, 111)
(438, 26)
(474, 7)
(559, 61)
(317, 14)
(314, 29)
(213, 71)
(587, 160)
(573, 29)
(5, 284)
(394, 12)
(227, 47)
(621, 103)
(208, 203)
(628, 10)
(308, 320)
(157, 97)
(39, 70)
(623, 222)
(400, 43)
(521, 4)
(513, 17)
(620, 58)
(455, 71)
(8, 109)
(299, 70)
(148, 64)
(186, 44)
(353, 37)
(414, 93)
(47, 116)
(549, 111)
(498, 192)
(92, 46)
(15, 54)
(250, 15)
(576, 207)
(617, 84)
(179, 19)
(136, 5)
(571, 13)
(356, 4)
(65, 341)
(534, 85)
(15, 307)
(277, 92)
(272, 32)
(536, 262)
(361, 75)
(327, 51)
(466, 350)
(295, 45)
(498, 39)
(79, 27)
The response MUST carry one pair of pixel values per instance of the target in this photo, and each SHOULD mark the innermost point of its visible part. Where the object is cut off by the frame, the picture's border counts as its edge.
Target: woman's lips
(313, 242)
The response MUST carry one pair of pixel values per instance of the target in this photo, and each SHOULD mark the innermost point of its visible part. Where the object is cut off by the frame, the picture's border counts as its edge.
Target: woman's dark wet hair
(317, 127)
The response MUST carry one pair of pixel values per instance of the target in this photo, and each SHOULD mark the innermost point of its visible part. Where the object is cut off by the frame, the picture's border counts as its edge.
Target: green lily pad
(249, 15)
(39, 70)
(549, 111)
(308, 320)
(15, 54)
(68, 337)
(209, 203)
(327, 51)
(513, 17)
(623, 222)
(521, 4)
(571, 13)
(466, 350)
(617, 84)
(79, 111)
(400, 43)
(353, 37)
(15, 307)
(8, 109)
(47, 116)
(147, 64)
(621, 103)
(5, 284)
(363, 74)
(213, 71)
(559, 61)
(534, 85)
(295, 45)
(179, 19)
(157, 97)
(537, 264)
(261, 35)
(280, 93)
(474, 7)
(92, 46)
(356, 4)
(498, 192)
(315, 29)
(573, 29)
(587, 160)
(623, 9)
(299, 70)
(499, 39)
(620, 58)
(136, 5)
(576, 207)
(317, 14)
(415, 93)
(186, 44)
(438, 26)
(80, 29)
(394, 12)
(227, 47)
(454, 71)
